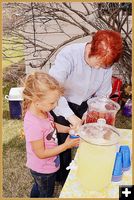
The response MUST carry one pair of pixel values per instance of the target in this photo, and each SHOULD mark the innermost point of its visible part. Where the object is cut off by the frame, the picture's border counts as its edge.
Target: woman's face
(94, 62)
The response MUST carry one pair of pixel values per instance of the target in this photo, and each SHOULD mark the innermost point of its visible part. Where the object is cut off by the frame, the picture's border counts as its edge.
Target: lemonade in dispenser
(96, 155)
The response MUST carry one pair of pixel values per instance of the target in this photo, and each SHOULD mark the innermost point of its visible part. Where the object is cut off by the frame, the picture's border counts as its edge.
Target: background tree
(53, 18)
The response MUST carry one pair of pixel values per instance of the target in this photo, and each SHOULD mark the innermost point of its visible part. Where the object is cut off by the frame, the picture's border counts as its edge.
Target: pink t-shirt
(35, 129)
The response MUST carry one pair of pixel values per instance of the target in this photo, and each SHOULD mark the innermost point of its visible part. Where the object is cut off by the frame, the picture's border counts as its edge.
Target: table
(72, 187)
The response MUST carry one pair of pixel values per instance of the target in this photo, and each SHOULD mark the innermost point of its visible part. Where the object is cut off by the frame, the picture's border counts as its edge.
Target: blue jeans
(43, 184)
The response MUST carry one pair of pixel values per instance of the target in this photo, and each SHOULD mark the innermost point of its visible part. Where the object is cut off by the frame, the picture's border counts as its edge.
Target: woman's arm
(60, 71)
(62, 128)
(42, 153)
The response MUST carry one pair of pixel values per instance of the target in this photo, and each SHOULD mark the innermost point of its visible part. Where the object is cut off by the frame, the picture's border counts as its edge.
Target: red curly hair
(107, 45)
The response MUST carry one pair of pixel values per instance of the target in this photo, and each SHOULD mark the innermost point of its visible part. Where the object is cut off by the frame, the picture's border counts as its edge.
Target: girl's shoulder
(29, 116)
(31, 120)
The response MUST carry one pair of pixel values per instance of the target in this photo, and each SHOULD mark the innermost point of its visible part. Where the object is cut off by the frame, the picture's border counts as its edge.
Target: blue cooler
(15, 99)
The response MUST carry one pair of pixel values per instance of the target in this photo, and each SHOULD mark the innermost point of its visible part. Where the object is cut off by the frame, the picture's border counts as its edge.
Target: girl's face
(48, 103)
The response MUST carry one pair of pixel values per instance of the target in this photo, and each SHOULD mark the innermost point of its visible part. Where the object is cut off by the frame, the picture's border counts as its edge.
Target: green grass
(12, 128)
(16, 177)
(14, 48)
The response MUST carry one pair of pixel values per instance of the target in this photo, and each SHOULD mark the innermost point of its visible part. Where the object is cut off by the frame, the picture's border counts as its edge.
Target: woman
(85, 70)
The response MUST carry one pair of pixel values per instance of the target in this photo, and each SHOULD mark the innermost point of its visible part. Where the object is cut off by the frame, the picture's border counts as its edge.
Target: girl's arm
(62, 129)
(41, 152)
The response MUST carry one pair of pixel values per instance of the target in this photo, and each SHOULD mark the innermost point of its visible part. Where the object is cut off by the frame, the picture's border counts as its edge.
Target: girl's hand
(75, 121)
(69, 143)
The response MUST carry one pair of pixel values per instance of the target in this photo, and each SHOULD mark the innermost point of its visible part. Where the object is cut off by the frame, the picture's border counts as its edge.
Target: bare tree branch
(33, 23)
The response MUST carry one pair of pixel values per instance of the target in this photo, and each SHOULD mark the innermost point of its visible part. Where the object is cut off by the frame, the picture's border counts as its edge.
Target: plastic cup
(117, 171)
(125, 150)
(74, 136)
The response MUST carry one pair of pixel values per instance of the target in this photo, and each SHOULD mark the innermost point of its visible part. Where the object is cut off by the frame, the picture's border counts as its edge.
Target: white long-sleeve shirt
(80, 80)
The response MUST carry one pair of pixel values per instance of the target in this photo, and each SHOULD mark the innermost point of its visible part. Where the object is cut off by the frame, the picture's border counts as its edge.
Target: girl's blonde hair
(37, 85)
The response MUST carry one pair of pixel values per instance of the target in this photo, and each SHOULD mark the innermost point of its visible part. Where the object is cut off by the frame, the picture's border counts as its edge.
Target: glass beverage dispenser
(102, 107)
(96, 154)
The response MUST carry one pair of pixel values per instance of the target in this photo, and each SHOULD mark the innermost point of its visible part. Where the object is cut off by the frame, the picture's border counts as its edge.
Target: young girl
(41, 94)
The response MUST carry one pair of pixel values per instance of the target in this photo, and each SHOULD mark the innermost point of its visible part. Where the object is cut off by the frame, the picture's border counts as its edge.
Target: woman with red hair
(104, 50)
(85, 70)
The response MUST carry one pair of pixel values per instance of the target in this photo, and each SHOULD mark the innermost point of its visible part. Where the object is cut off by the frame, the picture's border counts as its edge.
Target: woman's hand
(75, 121)
(69, 143)
(84, 118)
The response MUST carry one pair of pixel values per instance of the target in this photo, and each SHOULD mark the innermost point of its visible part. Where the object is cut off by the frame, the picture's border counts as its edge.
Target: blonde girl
(41, 94)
